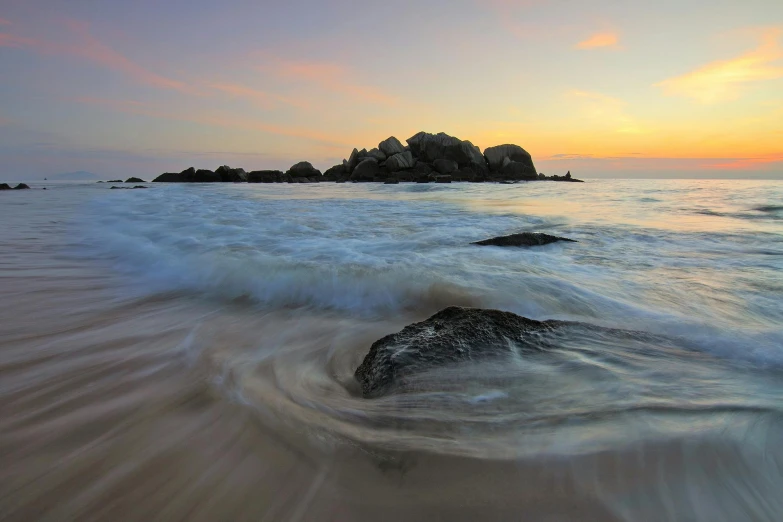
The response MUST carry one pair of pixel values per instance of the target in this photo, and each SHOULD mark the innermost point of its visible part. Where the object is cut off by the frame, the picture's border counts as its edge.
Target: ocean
(186, 352)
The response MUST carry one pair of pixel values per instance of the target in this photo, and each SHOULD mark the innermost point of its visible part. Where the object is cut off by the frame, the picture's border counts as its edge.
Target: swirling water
(186, 352)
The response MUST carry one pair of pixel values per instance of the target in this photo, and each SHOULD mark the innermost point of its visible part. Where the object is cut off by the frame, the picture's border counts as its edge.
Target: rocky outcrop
(366, 170)
(498, 156)
(525, 239)
(5, 186)
(443, 178)
(267, 176)
(335, 173)
(451, 336)
(391, 146)
(134, 180)
(20, 186)
(376, 154)
(401, 161)
(128, 188)
(516, 170)
(303, 169)
(432, 147)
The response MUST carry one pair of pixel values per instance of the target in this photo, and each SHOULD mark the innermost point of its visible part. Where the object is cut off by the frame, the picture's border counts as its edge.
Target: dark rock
(5, 186)
(134, 180)
(378, 155)
(541, 176)
(391, 146)
(366, 170)
(443, 178)
(207, 176)
(114, 181)
(566, 178)
(496, 157)
(267, 176)
(451, 336)
(517, 170)
(445, 166)
(168, 177)
(128, 188)
(401, 161)
(525, 239)
(21, 186)
(391, 182)
(335, 173)
(224, 174)
(304, 169)
(431, 147)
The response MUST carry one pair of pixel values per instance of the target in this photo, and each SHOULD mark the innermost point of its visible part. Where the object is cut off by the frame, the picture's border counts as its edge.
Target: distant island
(80, 175)
(436, 158)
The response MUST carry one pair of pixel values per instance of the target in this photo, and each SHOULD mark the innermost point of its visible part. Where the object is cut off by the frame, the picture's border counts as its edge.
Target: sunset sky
(690, 88)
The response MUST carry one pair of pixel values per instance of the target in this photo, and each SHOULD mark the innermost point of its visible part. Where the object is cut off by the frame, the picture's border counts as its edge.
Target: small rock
(525, 239)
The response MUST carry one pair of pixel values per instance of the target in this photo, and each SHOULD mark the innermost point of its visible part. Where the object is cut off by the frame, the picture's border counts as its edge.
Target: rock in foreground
(453, 335)
(525, 239)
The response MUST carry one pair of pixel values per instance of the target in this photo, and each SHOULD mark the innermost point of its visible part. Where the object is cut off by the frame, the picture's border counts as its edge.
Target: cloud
(3, 21)
(332, 77)
(264, 99)
(723, 80)
(599, 40)
(744, 163)
(88, 48)
(216, 119)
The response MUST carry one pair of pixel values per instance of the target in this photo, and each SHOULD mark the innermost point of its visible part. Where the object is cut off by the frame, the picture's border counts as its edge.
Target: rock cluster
(426, 158)
(6, 186)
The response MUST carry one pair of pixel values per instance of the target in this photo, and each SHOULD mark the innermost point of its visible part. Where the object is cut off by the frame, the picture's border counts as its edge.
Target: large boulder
(445, 166)
(22, 186)
(134, 180)
(304, 169)
(451, 336)
(335, 173)
(518, 170)
(207, 176)
(401, 161)
(525, 239)
(267, 176)
(430, 147)
(352, 161)
(366, 170)
(225, 174)
(5, 186)
(391, 146)
(496, 156)
(376, 154)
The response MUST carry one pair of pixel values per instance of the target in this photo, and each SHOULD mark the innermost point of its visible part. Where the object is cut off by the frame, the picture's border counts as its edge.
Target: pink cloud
(3, 21)
(217, 119)
(332, 77)
(745, 163)
(88, 48)
(264, 99)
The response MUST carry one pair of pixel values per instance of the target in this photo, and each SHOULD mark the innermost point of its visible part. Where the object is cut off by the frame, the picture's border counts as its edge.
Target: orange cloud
(92, 50)
(599, 40)
(264, 99)
(606, 110)
(331, 76)
(722, 80)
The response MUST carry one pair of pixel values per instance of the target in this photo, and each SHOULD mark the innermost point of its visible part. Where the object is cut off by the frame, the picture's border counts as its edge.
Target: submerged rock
(453, 335)
(525, 239)
(21, 186)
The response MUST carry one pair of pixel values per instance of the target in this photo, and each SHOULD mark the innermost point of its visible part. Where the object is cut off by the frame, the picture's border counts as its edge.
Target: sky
(603, 88)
